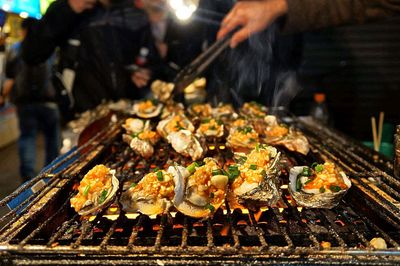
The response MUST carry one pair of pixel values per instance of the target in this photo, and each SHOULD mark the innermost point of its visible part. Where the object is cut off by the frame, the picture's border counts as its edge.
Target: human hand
(141, 77)
(252, 16)
(2, 101)
(78, 6)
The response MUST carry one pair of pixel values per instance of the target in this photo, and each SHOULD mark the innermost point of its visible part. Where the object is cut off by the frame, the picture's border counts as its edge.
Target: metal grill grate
(50, 231)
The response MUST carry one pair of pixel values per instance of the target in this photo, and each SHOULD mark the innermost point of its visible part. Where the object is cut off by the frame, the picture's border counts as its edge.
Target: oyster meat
(318, 186)
(96, 190)
(135, 125)
(253, 110)
(256, 182)
(210, 127)
(199, 190)
(224, 111)
(185, 143)
(147, 108)
(242, 138)
(174, 123)
(162, 91)
(152, 195)
(202, 110)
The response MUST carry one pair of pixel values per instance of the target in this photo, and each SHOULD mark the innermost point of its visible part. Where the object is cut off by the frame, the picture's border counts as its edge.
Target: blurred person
(30, 88)
(101, 41)
(302, 15)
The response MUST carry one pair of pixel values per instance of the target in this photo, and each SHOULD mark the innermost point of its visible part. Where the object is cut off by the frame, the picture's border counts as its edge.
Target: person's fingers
(231, 25)
(240, 36)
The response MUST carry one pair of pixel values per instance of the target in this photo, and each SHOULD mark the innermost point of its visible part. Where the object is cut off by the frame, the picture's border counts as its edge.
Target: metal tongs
(187, 75)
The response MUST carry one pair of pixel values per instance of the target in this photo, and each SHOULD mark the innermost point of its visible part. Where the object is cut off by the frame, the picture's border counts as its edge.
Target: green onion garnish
(210, 207)
(102, 196)
(319, 168)
(321, 189)
(216, 172)
(335, 188)
(133, 185)
(205, 120)
(298, 184)
(233, 172)
(257, 147)
(305, 172)
(192, 167)
(160, 176)
(86, 190)
(253, 167)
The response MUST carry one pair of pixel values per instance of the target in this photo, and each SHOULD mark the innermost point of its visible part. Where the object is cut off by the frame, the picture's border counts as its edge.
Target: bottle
(319, 109)
(396, 164)
(141, 59)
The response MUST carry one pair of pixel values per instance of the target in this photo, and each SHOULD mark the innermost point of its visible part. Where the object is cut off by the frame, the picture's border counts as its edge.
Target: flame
(225, 230)
(156, 227)
(300, 209)
(284, 187)
(211, 148)
(281, 210)
(132, 215)
(257, 215)
(113, 209)
(222, 147)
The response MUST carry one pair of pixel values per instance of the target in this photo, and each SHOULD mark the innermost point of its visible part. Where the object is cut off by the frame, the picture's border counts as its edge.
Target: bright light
(6, 7)
(183, 9)
(23, 14)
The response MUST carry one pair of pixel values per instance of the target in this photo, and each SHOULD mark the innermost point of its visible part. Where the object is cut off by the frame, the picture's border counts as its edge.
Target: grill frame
(327, 141)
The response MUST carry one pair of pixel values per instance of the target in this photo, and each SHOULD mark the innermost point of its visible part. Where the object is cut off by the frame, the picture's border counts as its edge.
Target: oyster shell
(142, 143)
(210, 128)
(185, 143)
(172, 109)
(162, 91)
(152, 195)
(276, 134)
(147, 108)
(174, 123)
(135, 125)
(257, 183)
(322, 197)
(97, 190)
(224, 111)
(199, 191)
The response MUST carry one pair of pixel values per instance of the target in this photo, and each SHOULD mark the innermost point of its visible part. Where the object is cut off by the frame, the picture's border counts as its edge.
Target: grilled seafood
(152, 195)
(210, 127)
(242, 138)
(280, 134)
(200, 110)
(199, 190)
(173, 124)
(135, 125)
(142, 143)
(147, 108)
(172, 109)
(185, 143)
(318, 186)
(253, 110)
(256, 178)
(162, 91)
(96, 190)
(224, 111)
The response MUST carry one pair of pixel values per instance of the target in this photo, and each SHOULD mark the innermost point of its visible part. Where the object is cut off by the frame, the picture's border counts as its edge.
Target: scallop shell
(109, 198)
(323, 200)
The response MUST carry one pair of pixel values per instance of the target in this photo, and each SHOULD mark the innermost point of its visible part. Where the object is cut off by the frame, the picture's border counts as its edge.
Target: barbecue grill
(44, 229)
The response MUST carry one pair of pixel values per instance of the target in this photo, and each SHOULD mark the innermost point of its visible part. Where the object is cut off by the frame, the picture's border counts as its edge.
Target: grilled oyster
(185, 143)
(210, 127)
(142, 143)
(199, 190)
(147, 108)
(152, 195)
(162, 91)
(224, 111)
(256, 182)
(242, 139)
(319, 186)
(173, 124)
(135, 125)
(97, 190)
(253, 110)
(279, 134)
(172, 109)
(200, 110)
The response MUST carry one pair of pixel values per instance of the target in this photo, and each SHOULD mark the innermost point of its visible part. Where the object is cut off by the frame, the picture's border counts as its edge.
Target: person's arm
(6, 90)
(53, 29)
(302, 15)
(305, 15)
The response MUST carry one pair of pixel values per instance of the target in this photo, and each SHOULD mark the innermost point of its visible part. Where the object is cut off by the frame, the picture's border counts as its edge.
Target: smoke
(261, 69)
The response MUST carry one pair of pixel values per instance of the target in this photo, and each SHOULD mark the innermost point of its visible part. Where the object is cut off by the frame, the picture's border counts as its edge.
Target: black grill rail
(48, 231)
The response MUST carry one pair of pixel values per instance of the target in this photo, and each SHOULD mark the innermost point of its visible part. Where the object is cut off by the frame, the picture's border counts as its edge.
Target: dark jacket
(99, 44)
(306, 15)
(32, 83)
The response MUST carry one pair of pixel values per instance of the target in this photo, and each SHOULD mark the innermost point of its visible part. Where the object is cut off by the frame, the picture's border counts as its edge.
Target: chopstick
(377, 136)
(374, 134)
